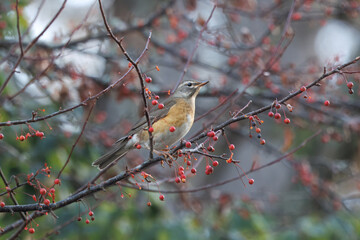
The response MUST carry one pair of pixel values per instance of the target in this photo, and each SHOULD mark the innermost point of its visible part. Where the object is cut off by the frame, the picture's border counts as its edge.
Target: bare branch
(204, 27)
(30, 45)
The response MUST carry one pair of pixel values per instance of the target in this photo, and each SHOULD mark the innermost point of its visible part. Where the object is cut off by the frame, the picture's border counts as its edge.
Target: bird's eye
(189, 84)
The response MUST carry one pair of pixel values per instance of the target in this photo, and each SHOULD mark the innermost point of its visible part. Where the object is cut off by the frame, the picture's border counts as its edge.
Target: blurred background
(250, 51)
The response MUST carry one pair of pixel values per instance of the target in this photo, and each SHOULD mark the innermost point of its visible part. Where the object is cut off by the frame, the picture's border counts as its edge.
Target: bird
(169, 124)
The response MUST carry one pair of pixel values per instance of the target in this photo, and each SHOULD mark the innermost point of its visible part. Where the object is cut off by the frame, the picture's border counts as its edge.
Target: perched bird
(170, 124)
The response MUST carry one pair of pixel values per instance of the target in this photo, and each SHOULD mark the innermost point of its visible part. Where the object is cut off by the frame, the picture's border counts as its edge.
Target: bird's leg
(168, 157)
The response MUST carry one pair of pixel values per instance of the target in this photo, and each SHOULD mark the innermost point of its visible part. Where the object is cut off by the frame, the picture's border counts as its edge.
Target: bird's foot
(168, 158)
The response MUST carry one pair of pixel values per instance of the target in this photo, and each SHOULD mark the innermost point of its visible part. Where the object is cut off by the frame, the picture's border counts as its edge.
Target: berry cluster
(255, 122)
(277, 106)
(23, 138)
(182, 176)
(350, 86)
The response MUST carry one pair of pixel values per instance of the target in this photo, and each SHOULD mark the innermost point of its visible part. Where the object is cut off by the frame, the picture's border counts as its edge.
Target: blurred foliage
(8, 19)
(128, 219)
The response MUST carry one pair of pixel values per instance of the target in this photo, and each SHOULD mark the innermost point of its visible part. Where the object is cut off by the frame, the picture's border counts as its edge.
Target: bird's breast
(180, 116)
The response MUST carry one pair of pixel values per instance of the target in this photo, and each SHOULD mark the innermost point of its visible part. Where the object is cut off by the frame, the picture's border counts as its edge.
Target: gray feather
(120, 149)
(115, 153)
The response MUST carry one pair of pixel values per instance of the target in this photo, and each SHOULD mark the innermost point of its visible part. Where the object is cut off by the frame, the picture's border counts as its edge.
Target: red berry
(251, 118)
(1, 136)
(87, 221)
(209, 170)
(270, 114)
(177, 180)
(215, 163)
(157, 97)
(39, 134)
(211, 134)
(2, 204)
(193, 171)
(27, 135)
(327, 103)
(181, 168)
(251, 181)
(350, 85)
(188, 163)
(233, 60)
(148, 79)
(149, 203)
(215, 138)
(188, 144)
(57, 181)
(303, 89)
(92, 218)
(351, 91)
(277, 106)
(172, 129)
(277, 116)
(79, 219)
(47, 202)
(258, 130)
(161, 197)
(91, 213)
(151, 129)
(287, 120)
(52, 190)
(138, 146)
(231, 146)
(31, 230)
(296, 16)
(161, 106)
(154, 102)
(22, 138)
(262, 141)
(210, 148)
(42, 191)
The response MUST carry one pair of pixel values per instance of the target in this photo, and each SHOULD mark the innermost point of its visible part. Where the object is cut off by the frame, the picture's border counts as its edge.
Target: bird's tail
(117, 152)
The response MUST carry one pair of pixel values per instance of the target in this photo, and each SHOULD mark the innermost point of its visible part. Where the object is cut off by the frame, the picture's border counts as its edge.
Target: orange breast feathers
(180, 115)
(177, 116)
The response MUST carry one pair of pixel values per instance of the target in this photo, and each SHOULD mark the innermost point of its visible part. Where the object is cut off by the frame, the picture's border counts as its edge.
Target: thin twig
(53, 58)
(83, 103)
(31, 44)
(124, 175)
(18, 232)
(77, 140)
(303, 144)
(186, 67)
(223, 102)
(18, 28)
(135, 64)
(12, 196)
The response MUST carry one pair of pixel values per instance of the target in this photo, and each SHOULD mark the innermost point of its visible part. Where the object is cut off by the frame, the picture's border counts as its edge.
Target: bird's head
(189, 89)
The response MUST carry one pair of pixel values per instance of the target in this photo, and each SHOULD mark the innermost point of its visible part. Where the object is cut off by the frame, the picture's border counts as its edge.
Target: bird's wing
(155, 114)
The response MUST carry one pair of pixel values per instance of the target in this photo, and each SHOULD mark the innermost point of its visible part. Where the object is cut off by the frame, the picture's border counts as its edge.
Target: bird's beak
(203, 83)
